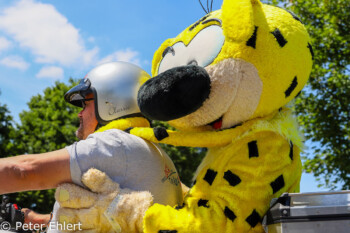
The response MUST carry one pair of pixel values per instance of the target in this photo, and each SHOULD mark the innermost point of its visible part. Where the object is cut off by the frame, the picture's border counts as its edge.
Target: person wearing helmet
(108, 98)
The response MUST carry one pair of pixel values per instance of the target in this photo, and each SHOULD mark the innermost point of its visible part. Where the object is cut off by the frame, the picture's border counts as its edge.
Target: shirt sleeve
(104, 151)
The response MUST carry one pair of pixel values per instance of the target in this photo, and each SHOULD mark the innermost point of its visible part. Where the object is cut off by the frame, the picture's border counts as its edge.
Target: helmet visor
(75, 95)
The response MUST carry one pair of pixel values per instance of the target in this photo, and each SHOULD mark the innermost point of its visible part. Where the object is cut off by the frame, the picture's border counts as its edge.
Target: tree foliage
(6, 131)
(50, 123)
(323, 108)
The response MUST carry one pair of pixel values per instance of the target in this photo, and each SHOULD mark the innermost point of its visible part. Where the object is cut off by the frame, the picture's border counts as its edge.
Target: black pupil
(167, 50)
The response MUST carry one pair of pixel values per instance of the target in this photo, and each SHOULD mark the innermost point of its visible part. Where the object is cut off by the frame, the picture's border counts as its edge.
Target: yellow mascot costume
(256, 58)
(224, 84)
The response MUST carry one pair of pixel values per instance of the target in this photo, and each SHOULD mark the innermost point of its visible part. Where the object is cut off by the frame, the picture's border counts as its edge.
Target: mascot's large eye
(201, 51)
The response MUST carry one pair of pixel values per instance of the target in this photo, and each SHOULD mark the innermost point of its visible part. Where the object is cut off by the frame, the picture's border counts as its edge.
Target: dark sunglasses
(83, 104)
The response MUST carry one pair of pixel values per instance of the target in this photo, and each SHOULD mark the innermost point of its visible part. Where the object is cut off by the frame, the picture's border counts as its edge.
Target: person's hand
(89, 208)
(30, 216)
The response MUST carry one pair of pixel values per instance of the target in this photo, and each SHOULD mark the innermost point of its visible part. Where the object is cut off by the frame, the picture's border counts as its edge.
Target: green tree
(48, 125)
(6, 131)
(323, 108)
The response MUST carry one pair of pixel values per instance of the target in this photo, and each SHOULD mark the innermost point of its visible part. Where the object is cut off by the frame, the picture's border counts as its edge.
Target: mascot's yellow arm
(263, 158)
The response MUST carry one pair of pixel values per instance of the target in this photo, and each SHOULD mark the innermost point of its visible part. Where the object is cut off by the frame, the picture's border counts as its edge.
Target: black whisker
(211, 6)
(202, 6)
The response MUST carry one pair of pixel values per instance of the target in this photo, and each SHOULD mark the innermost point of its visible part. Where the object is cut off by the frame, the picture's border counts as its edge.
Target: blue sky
(42, 41)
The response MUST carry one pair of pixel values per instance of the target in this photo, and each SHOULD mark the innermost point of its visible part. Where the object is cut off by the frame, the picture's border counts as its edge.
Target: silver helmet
(115, 86)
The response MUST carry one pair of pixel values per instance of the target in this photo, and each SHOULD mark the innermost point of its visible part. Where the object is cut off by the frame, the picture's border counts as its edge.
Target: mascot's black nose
(174, 93)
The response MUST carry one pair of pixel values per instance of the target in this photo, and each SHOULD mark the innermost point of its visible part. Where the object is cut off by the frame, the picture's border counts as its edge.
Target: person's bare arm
(34, 171)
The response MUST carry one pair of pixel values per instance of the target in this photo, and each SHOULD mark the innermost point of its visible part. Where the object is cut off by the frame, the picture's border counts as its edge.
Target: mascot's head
(244, 61)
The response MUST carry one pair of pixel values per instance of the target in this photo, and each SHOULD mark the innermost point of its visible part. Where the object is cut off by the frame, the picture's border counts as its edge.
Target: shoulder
(115, 138)
(99, 143)
(106, 134)
(110, 134)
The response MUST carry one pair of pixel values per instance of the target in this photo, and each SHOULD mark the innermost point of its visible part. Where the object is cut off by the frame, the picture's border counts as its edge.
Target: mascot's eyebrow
(211, 20)
(204, 20)
(198, 22)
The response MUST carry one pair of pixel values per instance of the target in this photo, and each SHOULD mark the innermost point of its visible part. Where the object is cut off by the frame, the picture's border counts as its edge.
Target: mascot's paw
(73, 196)
(98, 182)
(85, 207)
(131, 208)
(104, 207)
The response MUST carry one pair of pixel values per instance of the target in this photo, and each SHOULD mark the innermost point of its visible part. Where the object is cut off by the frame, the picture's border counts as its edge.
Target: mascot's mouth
(216, 124)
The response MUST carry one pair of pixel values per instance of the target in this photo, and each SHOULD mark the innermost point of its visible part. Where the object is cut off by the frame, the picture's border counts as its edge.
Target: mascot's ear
(238, 19)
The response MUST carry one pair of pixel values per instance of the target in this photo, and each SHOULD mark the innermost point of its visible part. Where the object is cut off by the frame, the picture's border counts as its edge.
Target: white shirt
(130, 161)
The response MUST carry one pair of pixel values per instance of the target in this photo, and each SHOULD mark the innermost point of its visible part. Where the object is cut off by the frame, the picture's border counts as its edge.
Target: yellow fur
(229, 152)
(123, 124)
(282, 122)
